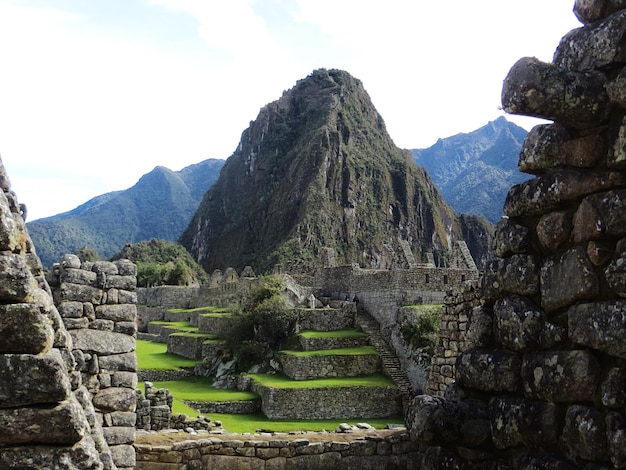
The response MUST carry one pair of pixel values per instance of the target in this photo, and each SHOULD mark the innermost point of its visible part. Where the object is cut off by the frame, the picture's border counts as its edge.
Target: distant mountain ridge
(475, 171)
(317, 170)
(159, 205)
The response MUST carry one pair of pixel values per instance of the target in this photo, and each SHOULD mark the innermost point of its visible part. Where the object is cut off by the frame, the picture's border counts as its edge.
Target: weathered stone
(117, 312)
(121, 282)
(115, 399)
(537, 459)
(70, 261)
(123, 456)
(31, 380)
(516, 421)
(594, 46)
(616, 158)
(102, 325)
(582, 281)
(588, 11)
(584, 434)
(119, 362)
(126, 267)
(600, 325)
(70, 309)
(509, 238)
(126, 327)
(433, 420)
(550, 146)
(554, 190)
(16, 282)
(23, 329)
(127, 297)
(553, 230)
(123, 418)
(63, 424)
(598, 252)
(616, 271)
(488, 370)
(480, 328)
(124, 379)
(615, 424)
(613, 388)
(105, 267)
(78, 276)
(83, 456)
(560, 376)
(76, 323)
(516, 275)
(574, 99)
(79, 293)
(522, 326)
(102, 342)
(601, 215)
(118, 435)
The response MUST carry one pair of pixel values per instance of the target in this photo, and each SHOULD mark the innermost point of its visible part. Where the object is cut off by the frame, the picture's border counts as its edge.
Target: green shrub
(420, 328)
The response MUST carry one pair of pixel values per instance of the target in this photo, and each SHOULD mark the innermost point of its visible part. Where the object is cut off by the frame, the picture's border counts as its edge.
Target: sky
(96, 93)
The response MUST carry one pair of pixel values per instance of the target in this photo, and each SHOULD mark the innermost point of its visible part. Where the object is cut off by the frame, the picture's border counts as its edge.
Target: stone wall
(277, 453)
(452, 338)
(322, 366)
(328, 403)
(167, 296)
(97, 304)
(46, 415)
(543, 386)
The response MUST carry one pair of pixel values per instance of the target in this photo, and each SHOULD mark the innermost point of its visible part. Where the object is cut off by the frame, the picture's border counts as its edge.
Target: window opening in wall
(427, 279)
(462, 277)
(445, 278)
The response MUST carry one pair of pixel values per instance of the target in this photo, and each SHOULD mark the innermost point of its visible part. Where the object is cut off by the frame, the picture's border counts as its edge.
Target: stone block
(520, 325)
(125, 267)
(582, 281)
(560, 376)
(123, 418)
(117, 313)
(70, 309)
(435, 421)
(78, 276)
(488, 370)
(123, 455)
(79, 293)
(601, 215)
(124, 379)
(119, 362)
(599, 325)
(479, 331)
(613, 388)
(118, 435)
(553, 230)
(615, 424)
(128, 283)
(588, 11)
(115, 399)
(33, 379)
(584, 434)
(16, 282)
(517, 275)
(24, 329)
(516, 421)
(615, 272)
(63, 424)
(102, 342)
(82, 455)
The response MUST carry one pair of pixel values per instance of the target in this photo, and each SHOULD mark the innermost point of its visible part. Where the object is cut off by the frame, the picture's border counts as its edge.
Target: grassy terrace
(154, 356)
(193, 334)
(207, 309)
(332, 334)
(176, 325)
(282, 381)
(358, 351)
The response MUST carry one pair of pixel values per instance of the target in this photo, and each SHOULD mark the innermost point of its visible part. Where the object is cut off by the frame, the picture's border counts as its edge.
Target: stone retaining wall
(329, 403)
(167, 296)
(217, 324)
(228, 407)
(315, 367)
(327, 319)
(162, 375)
(314, 344)
(186, 345)
(276, 453)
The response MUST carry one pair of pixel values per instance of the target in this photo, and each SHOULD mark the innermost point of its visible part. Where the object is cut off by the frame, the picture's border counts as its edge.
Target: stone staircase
(390, 362)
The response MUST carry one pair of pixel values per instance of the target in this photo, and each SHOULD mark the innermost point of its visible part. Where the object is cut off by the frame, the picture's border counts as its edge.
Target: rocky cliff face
(316, 170)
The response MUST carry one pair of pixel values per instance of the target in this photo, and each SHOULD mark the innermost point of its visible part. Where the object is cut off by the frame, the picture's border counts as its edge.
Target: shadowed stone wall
(544, 384)
(46, 416)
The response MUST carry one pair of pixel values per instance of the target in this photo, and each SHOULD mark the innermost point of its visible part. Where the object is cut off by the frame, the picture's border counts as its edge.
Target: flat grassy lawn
(282, 381)
(206, 309)
(176, 325)
(358, 351)
(154, 356)
(207, 336)
(332, 334)
(253, 423)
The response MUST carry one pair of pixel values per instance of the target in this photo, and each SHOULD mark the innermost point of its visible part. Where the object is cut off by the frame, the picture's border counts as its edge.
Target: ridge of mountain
(159, 205)
(317, 170)
(475, 170)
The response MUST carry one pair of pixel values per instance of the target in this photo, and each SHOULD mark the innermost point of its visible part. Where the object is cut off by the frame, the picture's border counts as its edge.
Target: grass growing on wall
(332, 334)
(356, 351)
(282, 381)
(154, 356)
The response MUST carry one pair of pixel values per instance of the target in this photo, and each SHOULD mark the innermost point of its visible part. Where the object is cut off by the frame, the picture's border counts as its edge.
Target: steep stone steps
(390, 362)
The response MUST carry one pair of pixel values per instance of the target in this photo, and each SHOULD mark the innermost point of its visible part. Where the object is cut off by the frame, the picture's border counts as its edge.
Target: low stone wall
(315, 367)
(326, 403)
(327, 319)
(217, 324)
(186, 345)
(162, 331)
(162, 375)
(395, 451)
(315, 344)
(229, 407)
(212, 349)
(167, 296)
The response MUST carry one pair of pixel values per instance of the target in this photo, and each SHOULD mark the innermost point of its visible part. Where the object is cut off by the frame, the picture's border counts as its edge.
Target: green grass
(252, 423)
(357, 351)
(154, 356)
(192, 334)
(208, 309)
(176, 325)
(282, 381)
(200, 389)
(332, 334)
(216, 314)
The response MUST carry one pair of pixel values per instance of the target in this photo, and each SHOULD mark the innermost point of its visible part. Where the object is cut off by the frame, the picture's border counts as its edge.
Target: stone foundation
(316, 367)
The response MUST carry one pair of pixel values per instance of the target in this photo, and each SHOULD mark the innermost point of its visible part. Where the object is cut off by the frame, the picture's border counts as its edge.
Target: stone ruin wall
(46, 414)
(543, 385)
(97, 304)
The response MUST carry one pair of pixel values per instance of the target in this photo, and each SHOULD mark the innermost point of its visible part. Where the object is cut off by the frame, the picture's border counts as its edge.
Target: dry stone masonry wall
(46, 414)
(544, 384)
